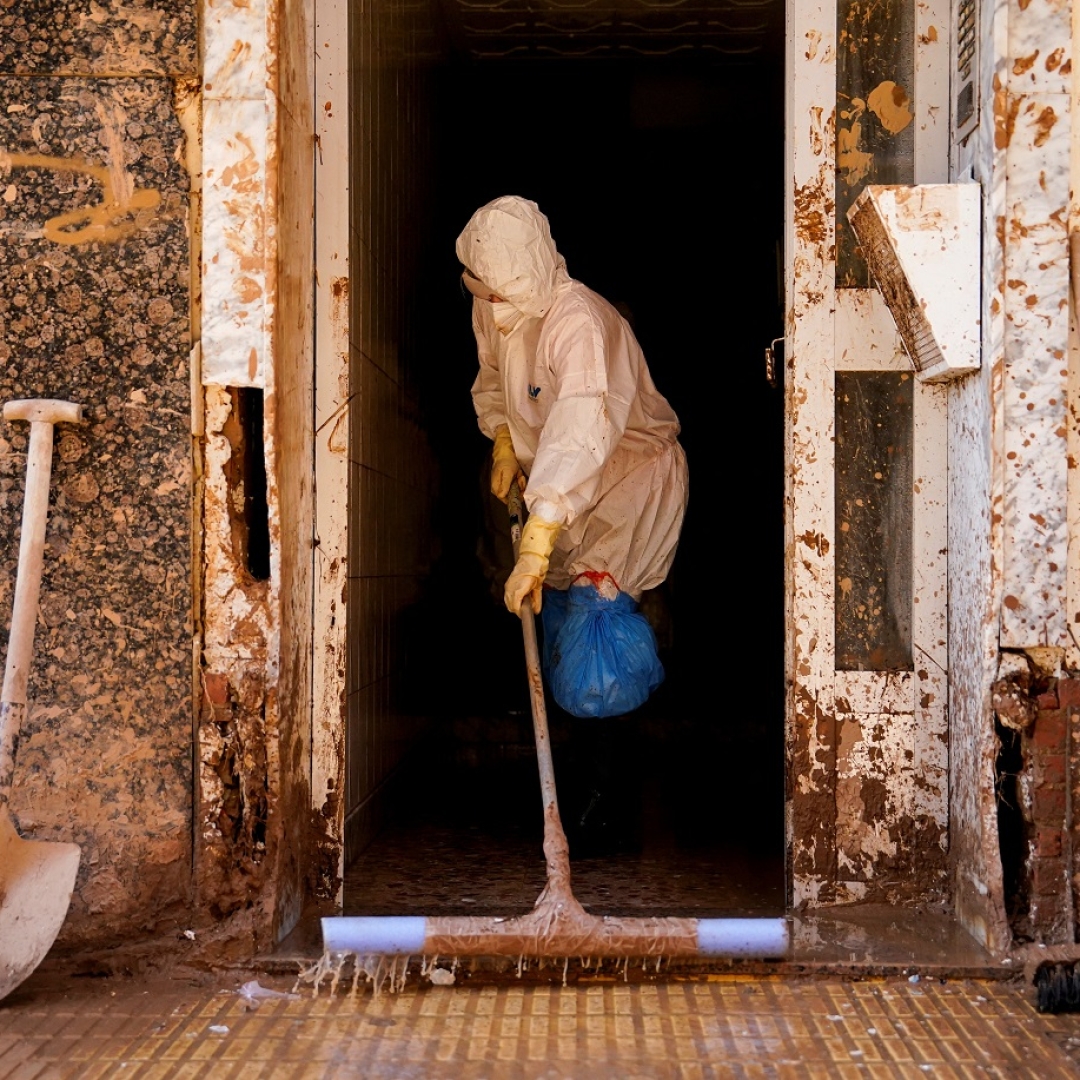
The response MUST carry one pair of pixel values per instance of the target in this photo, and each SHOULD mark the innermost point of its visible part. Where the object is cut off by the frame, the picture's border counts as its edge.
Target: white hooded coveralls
(562, 369)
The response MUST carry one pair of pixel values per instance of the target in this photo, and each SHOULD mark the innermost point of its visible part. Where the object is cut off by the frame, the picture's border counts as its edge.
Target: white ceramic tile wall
(390, 467)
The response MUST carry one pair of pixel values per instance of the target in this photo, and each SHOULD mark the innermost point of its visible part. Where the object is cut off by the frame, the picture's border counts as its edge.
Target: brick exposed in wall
(1043, 910)
(236, 742)
(1069, 698)
(235, 788)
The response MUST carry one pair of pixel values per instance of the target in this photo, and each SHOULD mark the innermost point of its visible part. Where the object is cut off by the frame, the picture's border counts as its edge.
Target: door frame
(816, 324)
(333, 545)
(842, 726)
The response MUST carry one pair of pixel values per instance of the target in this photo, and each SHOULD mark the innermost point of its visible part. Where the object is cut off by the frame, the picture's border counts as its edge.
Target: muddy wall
(255, 496)
(1009, 459)
(977, 884)
(95, 292)
(975, 553)
(291, 414)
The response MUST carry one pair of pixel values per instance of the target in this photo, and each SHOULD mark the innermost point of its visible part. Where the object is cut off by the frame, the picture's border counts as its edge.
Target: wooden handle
(556, 851)
(44, 411)
(42, 414)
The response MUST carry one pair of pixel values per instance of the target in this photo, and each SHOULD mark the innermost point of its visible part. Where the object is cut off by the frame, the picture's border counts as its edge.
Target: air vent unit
(922, 246)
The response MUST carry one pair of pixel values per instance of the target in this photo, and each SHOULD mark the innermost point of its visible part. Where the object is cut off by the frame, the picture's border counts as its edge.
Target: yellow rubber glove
(537, 542)
(504, 463)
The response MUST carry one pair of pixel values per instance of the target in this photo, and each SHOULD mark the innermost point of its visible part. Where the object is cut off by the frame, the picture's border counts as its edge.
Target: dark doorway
(663, 183)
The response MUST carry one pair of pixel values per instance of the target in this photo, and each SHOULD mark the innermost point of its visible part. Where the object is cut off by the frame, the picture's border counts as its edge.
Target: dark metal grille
(597, 29)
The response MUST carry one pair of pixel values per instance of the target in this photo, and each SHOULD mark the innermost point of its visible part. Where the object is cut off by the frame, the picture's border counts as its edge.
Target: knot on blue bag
(599, 654)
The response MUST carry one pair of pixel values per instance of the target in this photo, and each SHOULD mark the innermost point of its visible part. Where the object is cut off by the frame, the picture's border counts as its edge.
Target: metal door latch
(773, 358)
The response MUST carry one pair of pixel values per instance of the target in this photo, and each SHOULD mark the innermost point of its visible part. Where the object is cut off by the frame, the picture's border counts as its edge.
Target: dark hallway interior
(663, 185)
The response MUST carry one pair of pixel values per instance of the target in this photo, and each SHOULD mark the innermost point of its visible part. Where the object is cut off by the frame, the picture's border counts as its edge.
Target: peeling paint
(868, 750)
(813, 215)
(239, 132)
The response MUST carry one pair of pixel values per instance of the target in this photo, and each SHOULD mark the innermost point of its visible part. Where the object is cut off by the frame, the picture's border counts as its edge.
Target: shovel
(36, 877)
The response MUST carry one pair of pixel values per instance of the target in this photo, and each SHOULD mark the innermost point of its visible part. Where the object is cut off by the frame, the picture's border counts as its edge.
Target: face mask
(476, 286)
(507, 317)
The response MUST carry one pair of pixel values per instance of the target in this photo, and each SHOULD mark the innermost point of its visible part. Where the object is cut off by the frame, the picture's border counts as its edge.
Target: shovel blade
(36, 881)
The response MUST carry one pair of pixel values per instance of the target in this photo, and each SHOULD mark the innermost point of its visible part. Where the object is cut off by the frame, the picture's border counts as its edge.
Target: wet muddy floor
(60, 1028)
(694, 837)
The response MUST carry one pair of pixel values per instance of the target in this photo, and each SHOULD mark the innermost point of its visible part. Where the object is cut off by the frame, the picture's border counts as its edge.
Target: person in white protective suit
(566, 396)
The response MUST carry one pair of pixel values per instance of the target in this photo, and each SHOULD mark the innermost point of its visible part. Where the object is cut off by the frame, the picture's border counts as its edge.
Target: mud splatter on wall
(874, 436)
(83, 37)
(875, 137)
(810, 291)
(867, 728)
(291, 410)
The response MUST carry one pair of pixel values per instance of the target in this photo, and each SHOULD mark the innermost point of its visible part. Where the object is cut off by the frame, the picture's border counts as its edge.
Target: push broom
(558, 927)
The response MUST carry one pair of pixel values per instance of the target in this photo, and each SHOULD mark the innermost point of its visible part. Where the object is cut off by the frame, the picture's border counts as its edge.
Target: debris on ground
(253, 993)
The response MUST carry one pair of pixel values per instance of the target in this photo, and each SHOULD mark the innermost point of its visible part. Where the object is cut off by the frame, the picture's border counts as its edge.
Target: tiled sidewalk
(722, 1026)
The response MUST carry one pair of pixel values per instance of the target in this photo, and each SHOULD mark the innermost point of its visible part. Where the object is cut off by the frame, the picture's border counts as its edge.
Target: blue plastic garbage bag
(599, 655)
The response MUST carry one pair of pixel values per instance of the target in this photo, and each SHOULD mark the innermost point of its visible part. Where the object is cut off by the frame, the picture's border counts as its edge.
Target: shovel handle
(42, 414)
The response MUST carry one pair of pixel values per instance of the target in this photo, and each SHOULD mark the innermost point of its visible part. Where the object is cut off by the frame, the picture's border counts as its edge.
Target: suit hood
(507, 244)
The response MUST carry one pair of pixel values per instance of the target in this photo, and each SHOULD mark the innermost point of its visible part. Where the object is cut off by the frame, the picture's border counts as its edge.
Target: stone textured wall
(95, 308)
(81, 37)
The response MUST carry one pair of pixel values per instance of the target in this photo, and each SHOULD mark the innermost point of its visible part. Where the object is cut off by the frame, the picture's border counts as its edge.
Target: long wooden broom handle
(555, 847)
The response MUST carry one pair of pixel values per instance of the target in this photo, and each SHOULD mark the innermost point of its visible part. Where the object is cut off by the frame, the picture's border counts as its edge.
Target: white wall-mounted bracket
(922, 244)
